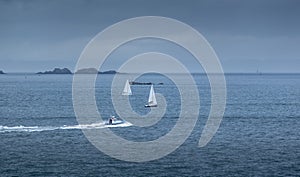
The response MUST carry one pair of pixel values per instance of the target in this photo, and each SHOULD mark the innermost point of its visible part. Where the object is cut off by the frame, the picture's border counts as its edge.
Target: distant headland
(80, 71)
(1, 72)
(57, 71)
(94, 71)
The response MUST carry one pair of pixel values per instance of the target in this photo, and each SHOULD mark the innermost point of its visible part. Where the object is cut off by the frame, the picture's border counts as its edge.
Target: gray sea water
(259, 134)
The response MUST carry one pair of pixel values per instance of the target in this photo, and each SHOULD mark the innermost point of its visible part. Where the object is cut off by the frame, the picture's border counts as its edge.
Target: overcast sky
(37, 35)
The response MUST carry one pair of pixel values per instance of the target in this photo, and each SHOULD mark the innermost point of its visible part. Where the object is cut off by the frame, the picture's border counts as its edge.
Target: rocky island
(1, 72)
(87, 71)
(94, 71)
(57, 71)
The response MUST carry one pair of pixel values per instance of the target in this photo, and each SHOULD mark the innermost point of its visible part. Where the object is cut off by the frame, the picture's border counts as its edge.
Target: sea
(259, 134)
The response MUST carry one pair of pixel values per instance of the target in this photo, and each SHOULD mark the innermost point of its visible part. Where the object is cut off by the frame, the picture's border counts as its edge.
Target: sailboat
(127, 89)
(152, 99)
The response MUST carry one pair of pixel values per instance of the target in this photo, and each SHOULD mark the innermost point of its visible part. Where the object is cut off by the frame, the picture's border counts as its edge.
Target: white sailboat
(152, 99)
(127, 89)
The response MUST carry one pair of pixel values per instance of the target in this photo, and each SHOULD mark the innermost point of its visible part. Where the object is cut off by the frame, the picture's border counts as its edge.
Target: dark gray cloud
(246, 35)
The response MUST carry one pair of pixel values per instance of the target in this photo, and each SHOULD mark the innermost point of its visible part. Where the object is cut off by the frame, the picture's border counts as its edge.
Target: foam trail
(22, 128)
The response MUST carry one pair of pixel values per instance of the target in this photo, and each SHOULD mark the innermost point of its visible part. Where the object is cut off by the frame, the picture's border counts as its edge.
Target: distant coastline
(80, 71)
(94, 71)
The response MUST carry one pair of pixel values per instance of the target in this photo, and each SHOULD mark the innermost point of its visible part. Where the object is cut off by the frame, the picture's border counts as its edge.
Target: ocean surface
(259, 134)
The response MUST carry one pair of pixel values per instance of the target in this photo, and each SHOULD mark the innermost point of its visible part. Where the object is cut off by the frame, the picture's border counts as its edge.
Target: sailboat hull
(148, 106)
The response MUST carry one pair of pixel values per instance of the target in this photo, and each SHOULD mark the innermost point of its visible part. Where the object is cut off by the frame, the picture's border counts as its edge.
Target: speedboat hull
(115, 122)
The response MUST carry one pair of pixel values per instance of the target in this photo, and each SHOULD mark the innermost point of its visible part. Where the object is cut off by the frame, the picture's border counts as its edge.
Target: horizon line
(254, 73)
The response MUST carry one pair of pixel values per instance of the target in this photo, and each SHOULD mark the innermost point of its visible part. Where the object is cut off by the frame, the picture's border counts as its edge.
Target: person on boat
(110, 121)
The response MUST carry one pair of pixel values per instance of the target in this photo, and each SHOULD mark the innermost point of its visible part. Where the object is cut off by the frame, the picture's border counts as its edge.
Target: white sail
(152, 98)
(127, 89)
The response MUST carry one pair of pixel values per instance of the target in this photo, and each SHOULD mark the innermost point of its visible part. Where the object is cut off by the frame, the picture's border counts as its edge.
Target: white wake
(22, 128)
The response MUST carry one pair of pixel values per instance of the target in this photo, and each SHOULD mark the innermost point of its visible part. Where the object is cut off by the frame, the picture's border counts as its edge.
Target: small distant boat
(114, 121)
(152, 99)
(127, 89)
